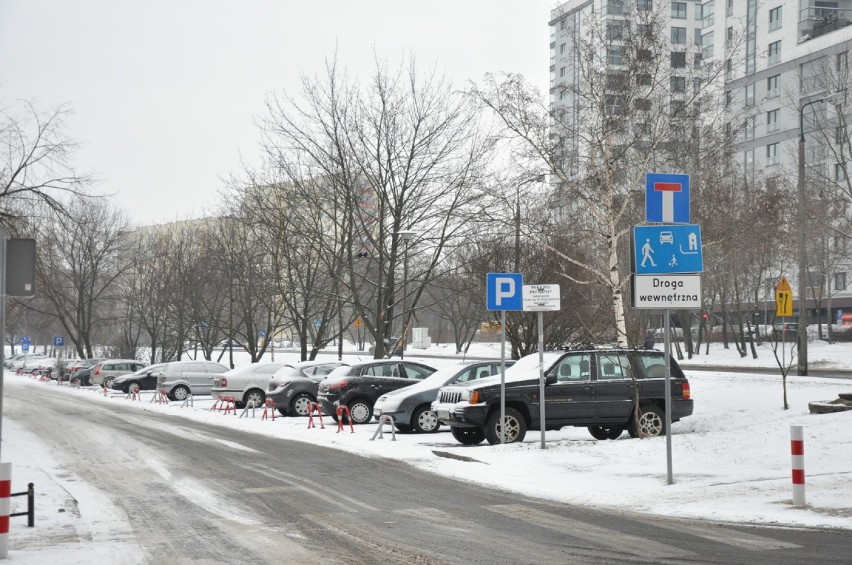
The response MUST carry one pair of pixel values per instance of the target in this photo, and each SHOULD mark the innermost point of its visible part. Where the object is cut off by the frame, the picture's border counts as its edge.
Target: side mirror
(549, 379)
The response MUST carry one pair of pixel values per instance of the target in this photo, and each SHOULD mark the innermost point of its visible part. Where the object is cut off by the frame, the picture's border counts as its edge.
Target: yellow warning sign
(783, 299)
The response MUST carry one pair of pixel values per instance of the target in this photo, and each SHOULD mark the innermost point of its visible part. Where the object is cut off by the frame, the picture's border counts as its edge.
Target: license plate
(443, 414)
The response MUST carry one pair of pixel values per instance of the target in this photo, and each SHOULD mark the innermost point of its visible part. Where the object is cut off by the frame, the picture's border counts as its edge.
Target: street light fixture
(405, 236)
(802, 331)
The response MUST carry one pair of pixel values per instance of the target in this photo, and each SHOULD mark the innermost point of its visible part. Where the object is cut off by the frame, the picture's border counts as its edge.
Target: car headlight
(389, 404)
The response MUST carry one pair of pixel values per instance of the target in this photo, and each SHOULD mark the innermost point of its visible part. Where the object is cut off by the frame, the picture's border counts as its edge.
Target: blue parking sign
(58, 341)
(504, 291)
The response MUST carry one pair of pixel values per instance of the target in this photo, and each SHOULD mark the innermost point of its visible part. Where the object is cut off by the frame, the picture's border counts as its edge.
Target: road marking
(597, 535)
(265, 490)
(317, 490)
(728, 536)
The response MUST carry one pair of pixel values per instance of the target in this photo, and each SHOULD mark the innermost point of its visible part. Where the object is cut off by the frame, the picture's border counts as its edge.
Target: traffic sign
(25, 347)
(667, 291)
(317, 323)
(660, 250)
(666, 198)
(359, 322)
(261, 333)
(58, 341)
(783, 299)
(26, 340)
(541, 297)
(503, 291)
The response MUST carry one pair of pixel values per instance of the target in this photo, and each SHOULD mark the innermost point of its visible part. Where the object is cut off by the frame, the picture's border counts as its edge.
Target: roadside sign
(25, 347)
(783, 299)
(261, 333)
(317, 324)
(667, 291)
(540, 297)
(359, 322)
(667, 249)
(666, 198)
(58, 341)
(503, 291)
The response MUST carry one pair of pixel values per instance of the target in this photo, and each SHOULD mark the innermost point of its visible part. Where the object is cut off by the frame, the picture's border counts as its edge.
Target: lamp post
(802, 331)
(406, 236)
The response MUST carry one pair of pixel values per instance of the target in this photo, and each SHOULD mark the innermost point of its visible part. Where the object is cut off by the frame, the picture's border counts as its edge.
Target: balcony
(815, 21)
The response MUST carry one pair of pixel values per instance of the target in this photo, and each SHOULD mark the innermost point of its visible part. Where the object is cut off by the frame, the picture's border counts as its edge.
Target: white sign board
(541, 297)
(667, 291)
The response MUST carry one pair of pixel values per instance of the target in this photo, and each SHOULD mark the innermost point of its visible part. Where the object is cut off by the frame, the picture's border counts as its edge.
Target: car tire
(606, 432)
(424, 421)
(516, 427)
(108, 382)
(255, 395)
(180, 392)
(299, 404)
(403, 427)
(130, 386)
(652, 423)
(468, 436)
(361, 410)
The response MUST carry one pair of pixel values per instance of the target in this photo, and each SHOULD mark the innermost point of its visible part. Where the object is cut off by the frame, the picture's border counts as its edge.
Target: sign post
(503, 292)
(541, 298)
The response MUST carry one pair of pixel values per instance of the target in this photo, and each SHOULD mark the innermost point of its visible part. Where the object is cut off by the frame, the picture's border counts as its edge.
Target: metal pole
(668, 357)
(502, 376)
(404, 300)
(4, 239)
(541, 375)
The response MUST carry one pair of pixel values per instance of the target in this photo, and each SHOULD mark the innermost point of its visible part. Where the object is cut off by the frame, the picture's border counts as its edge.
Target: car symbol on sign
(666, 237)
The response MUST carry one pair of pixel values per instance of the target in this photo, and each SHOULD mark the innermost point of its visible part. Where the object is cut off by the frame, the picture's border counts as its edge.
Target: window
(729, 37)
(775, 18)
(644, 30)
(573, 368)
(615, 30)
(612, 366)
(614, 105)
(728, 98)
(771, 121)
(839, 135)
(841, 61)
(748, 129)
(642, 128)
(774, 53)
(772, 86)
(772, 154)
(699, 13)
(697, 83)
(749, 95)
(729, 11)
(748, 161)
(839, 172)
(615, 56)
(643, 79)
(839, 281)
(697, 59)
(561, 71)
(707, 15)
(676, 108)
(644, 55)
(679, 35)
(614, 7)
(644, 5)
(678, 59)
(562, 49)
(678, 10)
(696, 36)
(707, 45)
(678, 84)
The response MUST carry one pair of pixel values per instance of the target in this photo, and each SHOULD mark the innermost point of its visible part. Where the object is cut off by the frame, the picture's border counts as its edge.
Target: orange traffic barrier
(314, 406)
(269, 404)
(341, 410)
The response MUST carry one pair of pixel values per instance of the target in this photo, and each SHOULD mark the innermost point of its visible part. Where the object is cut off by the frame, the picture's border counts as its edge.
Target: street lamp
(802, 331)
(406, 236)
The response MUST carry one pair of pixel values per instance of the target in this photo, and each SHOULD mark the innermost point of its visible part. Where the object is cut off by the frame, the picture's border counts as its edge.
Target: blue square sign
(660, 250)
(504, 291)
(667, 198)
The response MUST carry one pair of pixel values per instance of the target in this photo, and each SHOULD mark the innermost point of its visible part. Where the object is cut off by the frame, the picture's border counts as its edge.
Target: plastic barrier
(382, 419)
(188, 401)
(75, 382)
(269, 405)
(5, 505)
(314, 406)
(42, 378)
(251, 405)
(160, 397)
(106, 390)
(19, 371)
(797, 451)
(133, 393)
(341, 410)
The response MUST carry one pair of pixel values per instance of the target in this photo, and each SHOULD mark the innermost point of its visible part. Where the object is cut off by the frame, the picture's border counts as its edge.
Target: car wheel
(605, 432)
(652, 423)
(425, 421)
(516, 427)
(254, 395)
(362, 411)
(467, 436)
(299, 404)
(403, 427)
(179, 393)
(283, 412)
(108, 382)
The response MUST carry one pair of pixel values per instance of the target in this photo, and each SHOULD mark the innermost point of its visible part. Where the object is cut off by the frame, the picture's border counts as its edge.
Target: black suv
(358, 386)
(595, 388)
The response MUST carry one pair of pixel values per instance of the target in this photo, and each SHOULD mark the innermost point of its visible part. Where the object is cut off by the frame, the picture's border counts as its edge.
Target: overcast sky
(165, 94)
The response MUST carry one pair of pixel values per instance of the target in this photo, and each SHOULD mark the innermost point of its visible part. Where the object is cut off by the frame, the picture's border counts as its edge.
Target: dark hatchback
(294, 386)
(145, 379)
(358, 386)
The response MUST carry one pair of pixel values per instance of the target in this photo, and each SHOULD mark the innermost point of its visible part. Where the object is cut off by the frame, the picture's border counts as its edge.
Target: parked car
(28, 362)
(390, 343)
(411, 407)
(182, 378)
(246, 384)
(83, 370)
(145, 378)
(294, 386)
(358, 386)
(595, 388)
(7, 362)
(105, 372)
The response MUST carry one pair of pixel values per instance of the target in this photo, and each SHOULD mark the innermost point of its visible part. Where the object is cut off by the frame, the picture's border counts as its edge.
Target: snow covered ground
(731, 459)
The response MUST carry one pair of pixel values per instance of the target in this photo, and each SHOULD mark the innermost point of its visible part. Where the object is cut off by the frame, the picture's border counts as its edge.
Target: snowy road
(198, 493)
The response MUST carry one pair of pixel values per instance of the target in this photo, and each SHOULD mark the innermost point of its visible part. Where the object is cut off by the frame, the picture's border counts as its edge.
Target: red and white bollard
(5, 507)
(797, 451)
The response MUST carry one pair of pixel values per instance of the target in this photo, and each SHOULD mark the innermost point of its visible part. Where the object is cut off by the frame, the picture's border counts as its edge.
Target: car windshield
(149, 369)
(442, 375)
(287, 371)
(528, 367)
(341, 371)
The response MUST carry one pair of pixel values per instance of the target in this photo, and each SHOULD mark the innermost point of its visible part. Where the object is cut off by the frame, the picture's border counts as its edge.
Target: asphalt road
(196, 493)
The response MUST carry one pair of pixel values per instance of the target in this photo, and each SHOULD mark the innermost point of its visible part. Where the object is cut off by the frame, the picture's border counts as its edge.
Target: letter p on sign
(504, 291)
